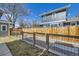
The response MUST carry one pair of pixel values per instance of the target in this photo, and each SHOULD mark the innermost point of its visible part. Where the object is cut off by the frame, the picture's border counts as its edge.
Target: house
(4, 25)
(56, 18)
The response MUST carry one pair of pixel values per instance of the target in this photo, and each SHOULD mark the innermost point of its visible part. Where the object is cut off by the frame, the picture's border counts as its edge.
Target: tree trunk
(13, 25)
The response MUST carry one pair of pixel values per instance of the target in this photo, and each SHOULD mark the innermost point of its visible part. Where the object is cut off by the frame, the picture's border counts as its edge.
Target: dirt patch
(20, 48)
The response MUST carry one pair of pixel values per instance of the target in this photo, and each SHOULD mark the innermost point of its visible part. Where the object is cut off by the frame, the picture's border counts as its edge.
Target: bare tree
(34, 23)
(14, 11)
(22, 23)
(77, 14)
(1, 13)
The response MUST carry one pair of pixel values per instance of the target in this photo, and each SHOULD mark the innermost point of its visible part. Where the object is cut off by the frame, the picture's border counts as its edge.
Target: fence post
(78, 51)
(34, 39)
(47, 42)
(22, 35)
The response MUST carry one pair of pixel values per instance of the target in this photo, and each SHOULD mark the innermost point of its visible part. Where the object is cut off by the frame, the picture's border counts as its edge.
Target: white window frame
(2, 28)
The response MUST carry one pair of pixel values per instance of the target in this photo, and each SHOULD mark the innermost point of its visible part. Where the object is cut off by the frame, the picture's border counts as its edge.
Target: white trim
(2, 26)
(53, 22)
(2, 21)
(55, 10)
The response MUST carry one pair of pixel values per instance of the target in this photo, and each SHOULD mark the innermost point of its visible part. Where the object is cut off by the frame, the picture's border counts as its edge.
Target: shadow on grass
(20, 48)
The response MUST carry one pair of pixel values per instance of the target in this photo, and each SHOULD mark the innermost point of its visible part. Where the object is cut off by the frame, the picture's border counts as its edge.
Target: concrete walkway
(4, 51)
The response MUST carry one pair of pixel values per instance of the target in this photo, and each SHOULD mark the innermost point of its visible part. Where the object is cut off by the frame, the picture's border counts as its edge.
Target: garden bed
(20, 48)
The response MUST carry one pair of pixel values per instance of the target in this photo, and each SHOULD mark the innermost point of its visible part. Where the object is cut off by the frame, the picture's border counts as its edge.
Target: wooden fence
(67, 34)
(48, 43)
(14, 31)
(70, 31)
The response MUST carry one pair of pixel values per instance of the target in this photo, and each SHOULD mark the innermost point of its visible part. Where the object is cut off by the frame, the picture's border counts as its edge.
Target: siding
(4, 33)
(55, 17)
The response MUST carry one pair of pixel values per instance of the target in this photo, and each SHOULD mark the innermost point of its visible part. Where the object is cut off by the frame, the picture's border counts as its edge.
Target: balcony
(47, 20)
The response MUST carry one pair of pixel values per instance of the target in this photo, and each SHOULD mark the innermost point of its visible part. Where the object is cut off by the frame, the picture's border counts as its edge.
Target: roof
(1, 13)
(3, 21)
(56, 10)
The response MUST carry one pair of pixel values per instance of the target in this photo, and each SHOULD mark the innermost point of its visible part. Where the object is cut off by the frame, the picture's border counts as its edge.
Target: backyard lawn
(20, 48)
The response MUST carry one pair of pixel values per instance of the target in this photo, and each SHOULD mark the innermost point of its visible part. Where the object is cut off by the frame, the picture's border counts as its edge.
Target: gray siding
(4, 33)
(54, 17)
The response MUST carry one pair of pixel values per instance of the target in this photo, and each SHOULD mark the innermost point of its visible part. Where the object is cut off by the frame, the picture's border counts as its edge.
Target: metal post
(78, 51)
(34, 39)
(47, 42)
(22, 35)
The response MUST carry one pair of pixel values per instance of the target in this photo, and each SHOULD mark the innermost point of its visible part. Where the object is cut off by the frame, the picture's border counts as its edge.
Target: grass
(9, 39)
(20, 48)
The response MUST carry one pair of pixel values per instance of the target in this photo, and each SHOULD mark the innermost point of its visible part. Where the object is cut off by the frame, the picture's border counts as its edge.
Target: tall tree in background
(34, 23)
(14, 11)
(77, 14)
(22, 23)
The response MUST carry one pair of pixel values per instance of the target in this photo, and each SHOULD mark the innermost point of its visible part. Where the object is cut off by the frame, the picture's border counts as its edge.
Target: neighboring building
(4, 26)
(57, 18)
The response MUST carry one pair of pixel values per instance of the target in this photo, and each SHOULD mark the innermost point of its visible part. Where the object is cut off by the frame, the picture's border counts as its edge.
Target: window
(54, 25)
(73, 23)
(78, 23)
(66, 24)
(60, 24)
(3, 27)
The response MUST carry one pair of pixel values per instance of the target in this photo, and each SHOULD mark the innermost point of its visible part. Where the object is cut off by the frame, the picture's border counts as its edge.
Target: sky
(39, 8)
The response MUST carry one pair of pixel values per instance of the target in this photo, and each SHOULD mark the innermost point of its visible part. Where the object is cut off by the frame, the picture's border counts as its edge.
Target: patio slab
(4, 50)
